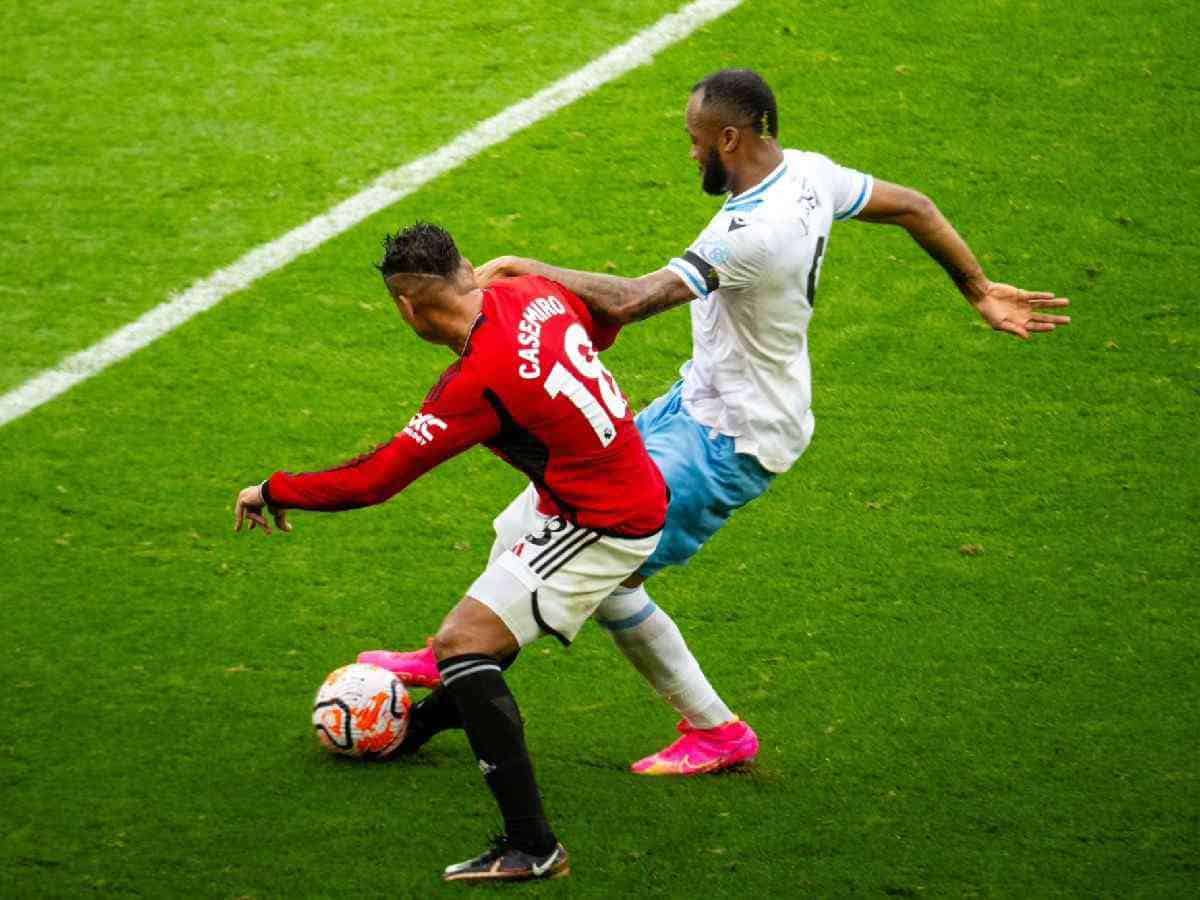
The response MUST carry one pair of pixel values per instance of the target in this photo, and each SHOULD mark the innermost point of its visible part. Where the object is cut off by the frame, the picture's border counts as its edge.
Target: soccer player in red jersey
(529, 386)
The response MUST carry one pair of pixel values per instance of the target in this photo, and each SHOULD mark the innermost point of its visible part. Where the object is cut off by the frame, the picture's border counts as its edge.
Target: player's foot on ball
(702, 750)
(417, 668)
(502, 862)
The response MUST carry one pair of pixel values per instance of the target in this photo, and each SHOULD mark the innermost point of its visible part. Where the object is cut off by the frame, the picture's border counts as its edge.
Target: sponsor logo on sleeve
(716, 252)
(421, 427)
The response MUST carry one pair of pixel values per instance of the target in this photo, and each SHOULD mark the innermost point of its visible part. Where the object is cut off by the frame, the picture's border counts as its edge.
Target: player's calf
(651, 640)
(468, 647)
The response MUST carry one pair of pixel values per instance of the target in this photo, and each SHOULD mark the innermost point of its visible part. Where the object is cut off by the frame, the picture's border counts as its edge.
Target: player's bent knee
(447, 641)
(473, 628)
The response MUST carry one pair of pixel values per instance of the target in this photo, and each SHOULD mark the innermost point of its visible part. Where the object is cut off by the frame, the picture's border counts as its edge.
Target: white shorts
(547, 576)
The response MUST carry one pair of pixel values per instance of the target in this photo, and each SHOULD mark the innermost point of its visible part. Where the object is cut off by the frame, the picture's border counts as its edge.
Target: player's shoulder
(519, 286)
(801, 162)
(738, 239)
(528, 294)
(523, 320)
(817, 168)
(753, 226)
(533, 297)
(460, 387)
(806, 170)
(524, 288)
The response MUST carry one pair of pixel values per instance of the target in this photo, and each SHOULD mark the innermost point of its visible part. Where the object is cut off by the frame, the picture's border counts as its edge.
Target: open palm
(1017, 311)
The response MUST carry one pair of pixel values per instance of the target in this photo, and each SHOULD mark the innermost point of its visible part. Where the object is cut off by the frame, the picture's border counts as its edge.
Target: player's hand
(249, 508)
(1019, 312)
(500, 267)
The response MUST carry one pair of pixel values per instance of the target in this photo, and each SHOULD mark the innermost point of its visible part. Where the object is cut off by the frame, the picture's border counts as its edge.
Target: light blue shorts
(707, 477)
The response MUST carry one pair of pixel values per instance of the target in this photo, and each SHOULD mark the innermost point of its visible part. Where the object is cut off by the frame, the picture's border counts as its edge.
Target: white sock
(650, 640)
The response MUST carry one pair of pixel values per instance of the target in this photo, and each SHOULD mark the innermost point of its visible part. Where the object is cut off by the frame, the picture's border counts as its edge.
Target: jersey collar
(754, 195)
(466, 347)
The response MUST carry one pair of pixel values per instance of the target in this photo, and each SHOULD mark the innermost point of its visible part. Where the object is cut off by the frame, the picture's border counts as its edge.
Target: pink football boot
(418, 668)
(702, 750)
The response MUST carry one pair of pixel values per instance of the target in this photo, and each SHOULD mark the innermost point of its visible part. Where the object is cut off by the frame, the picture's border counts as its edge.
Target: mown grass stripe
(386, 190)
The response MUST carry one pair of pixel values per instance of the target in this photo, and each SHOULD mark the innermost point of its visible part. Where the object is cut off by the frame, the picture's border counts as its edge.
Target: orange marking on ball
(381, 741)
(366, 717)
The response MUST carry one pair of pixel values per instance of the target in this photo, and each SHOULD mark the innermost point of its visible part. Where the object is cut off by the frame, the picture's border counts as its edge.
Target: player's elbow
(924, 207)
(919, 210)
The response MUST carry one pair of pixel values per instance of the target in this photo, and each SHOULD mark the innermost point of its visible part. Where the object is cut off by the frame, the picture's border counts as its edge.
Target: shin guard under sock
(437, 712)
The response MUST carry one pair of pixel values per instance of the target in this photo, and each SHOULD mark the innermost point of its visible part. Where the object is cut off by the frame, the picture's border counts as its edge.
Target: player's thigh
(552, 581)
(516, 520)
(684, 453)
(661, 410)
(708, 482)
(574, 588)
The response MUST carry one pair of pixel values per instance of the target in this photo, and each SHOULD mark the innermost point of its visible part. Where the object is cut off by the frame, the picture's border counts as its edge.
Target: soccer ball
(361, 711)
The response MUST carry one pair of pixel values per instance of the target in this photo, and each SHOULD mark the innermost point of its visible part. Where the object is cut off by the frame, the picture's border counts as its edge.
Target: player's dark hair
(420, 249)
(743, 99)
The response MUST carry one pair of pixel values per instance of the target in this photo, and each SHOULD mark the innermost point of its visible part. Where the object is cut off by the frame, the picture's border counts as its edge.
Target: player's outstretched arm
(366, 480)
(1003, 306)
(453, 418)
(617, 299)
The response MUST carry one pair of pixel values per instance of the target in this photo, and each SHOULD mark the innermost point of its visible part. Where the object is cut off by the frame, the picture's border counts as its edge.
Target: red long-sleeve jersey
(530, 387)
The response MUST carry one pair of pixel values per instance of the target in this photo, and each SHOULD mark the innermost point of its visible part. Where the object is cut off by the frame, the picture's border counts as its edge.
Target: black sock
(436, 712)
(432, 714)
(493, 725)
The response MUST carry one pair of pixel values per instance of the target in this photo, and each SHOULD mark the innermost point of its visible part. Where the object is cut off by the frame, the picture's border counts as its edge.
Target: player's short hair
(742, 98)
(420, 249)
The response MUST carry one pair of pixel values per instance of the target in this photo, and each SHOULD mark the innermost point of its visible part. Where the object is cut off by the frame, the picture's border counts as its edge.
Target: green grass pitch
(964, 625)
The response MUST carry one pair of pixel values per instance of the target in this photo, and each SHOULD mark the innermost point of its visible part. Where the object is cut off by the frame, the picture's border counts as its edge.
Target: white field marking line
(386, 190)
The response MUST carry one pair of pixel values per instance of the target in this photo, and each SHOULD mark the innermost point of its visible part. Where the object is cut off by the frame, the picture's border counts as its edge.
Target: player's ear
(405, 306)
(400, 290)
(730, 138)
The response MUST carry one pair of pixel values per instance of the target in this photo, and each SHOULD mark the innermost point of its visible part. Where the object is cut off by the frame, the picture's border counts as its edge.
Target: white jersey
(754, 271)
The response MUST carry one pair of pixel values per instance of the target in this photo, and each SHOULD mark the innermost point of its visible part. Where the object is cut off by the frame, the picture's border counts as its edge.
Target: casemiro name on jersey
(538, 311)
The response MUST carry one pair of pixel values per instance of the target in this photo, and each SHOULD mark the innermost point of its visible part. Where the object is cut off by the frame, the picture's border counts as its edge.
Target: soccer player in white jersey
(741, 413)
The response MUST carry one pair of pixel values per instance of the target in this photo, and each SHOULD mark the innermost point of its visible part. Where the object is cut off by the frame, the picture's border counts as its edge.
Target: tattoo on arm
(616, 298)
(602, 293)
(663, 294)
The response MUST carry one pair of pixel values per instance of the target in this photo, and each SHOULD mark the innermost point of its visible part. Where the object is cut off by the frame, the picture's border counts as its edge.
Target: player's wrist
(974, 287)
